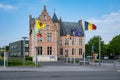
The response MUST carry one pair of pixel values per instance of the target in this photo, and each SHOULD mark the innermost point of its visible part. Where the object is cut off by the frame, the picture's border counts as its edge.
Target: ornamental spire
(45, 7)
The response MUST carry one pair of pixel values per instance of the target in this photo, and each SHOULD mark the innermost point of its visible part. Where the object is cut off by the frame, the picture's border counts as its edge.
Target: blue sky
(14, 16)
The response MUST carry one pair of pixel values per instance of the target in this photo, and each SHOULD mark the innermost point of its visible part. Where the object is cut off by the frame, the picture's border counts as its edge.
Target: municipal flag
(76, 32)
(67, 36)
(35, 31)
(39, 35)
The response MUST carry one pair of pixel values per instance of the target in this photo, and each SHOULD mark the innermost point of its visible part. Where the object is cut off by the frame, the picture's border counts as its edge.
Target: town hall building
(55, 42)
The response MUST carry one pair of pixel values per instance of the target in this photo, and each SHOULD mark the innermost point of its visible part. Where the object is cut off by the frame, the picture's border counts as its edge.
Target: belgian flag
(90, 26)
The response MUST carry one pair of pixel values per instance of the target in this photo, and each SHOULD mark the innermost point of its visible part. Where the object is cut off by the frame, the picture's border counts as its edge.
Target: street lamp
(36, 61)
(99, 51)
(24, 49)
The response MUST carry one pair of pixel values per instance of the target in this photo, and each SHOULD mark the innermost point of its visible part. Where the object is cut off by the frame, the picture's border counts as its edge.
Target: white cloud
(6, 6)
(110, 18)
(108, 26)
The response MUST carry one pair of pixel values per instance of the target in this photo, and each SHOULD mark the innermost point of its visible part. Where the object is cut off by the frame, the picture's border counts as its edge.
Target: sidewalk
(58, 68)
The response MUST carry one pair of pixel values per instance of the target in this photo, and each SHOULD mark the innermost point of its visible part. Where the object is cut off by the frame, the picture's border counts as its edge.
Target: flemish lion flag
(42, 25)
(39, 25)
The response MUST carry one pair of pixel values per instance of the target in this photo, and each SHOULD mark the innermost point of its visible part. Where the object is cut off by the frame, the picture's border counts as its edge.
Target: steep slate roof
(66, 27)
(54, 18)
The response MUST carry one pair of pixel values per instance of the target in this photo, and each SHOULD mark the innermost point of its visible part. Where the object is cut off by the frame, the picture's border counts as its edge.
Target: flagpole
(56, 44)
(67, 49)
(99, 51)
(84, 49)
(74, 46)
(34, 40)
(35, 45)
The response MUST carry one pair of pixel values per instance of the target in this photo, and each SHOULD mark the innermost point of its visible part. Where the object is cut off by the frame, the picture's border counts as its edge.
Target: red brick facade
(51, 44)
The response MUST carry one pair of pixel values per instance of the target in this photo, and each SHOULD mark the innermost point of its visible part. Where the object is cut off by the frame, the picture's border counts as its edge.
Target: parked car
(106, 57)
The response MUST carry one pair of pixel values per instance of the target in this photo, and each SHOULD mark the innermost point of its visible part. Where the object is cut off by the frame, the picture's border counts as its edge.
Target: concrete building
(16, 48)
(54, 44)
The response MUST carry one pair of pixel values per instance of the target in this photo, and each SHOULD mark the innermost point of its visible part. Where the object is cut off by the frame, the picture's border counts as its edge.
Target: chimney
(60, 20)
(30, 16)
(80, 22)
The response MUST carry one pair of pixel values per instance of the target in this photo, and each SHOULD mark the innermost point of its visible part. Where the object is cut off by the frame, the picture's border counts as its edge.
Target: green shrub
(19, 62)
(97, 60)
(1, 58)
(29, 63)
(28, 58)
(15, 62)
(77, 61)
(119, 60)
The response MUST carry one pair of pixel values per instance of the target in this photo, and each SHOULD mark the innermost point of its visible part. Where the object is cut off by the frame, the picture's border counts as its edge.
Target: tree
(7, 48)
(114, 46)
(95, 41)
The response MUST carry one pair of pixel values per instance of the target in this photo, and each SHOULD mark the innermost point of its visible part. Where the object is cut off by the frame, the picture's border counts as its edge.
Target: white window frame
(49, 37)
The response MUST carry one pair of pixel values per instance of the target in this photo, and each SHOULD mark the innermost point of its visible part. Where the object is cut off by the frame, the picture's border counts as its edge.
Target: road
(81, 75)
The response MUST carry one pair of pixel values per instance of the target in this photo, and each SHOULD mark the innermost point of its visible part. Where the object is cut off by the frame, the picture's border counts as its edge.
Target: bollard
(114, 65)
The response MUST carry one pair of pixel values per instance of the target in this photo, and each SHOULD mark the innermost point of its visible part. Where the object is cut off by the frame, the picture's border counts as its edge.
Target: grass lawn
(19, 62)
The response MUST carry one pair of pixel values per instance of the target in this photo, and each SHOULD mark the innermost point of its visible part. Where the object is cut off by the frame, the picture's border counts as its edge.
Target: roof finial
(45, 7)
(54, 10)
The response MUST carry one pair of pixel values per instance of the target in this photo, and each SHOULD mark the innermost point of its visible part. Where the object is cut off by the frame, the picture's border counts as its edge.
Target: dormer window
(47, 27)
(45, 18)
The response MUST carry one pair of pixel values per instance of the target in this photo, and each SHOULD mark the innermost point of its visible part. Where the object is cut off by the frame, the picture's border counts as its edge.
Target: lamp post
(4, 58)
(93, 57)
(99, 51)
(24, 49)
(67, 46)
(36, 60)
(3, 50)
